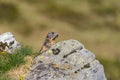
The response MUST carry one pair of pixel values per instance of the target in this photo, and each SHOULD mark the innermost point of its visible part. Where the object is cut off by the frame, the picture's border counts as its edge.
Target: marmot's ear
(52, 32)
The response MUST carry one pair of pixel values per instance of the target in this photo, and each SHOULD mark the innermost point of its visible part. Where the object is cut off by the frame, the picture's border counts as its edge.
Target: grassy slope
(96, 23)
(10, 61)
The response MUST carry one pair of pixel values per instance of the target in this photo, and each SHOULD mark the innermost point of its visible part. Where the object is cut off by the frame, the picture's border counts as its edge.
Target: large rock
(66, 60)
(8, 43)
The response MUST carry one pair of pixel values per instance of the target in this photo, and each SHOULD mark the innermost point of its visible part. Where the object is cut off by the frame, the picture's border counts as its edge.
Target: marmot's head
(52, 35)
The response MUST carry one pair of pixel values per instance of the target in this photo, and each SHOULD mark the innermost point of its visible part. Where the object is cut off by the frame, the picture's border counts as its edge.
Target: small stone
(8, 42)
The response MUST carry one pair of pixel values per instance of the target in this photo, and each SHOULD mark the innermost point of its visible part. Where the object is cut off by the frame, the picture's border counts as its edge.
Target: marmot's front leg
(43, 49)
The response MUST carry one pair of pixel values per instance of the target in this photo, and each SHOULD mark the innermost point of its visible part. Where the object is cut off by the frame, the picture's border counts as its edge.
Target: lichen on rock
(8, 43)
(66, 60)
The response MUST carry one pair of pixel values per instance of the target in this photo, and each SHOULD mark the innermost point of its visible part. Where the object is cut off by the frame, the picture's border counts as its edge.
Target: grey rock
(66, 60)
(10, 41)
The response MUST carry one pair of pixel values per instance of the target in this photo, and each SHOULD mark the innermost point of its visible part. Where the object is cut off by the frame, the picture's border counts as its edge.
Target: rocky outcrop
(8, 43)
(66, 60)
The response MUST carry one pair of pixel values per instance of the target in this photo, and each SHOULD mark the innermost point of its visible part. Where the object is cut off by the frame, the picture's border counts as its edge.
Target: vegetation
(111, 65)
(95, 23)
(8, 12)
(10, 61)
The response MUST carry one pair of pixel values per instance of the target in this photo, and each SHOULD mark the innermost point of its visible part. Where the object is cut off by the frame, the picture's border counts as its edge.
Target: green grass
(10, 61)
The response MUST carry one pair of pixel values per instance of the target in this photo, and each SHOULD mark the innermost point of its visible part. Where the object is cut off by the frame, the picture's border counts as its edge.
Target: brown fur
(49, 41)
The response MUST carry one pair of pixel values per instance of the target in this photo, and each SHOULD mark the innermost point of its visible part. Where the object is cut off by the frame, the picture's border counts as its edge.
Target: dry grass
(21, 71)
(95, 23)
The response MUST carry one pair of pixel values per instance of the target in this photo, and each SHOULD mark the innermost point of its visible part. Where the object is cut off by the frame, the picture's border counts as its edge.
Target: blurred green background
(95, 23)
